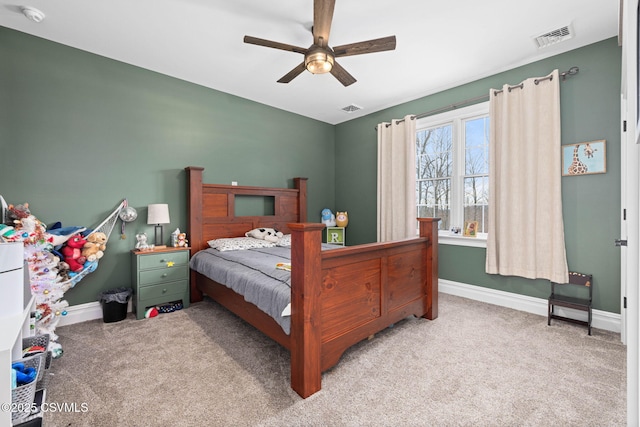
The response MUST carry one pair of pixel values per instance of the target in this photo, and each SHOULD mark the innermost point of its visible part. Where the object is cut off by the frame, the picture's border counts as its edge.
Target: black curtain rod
(570, 72)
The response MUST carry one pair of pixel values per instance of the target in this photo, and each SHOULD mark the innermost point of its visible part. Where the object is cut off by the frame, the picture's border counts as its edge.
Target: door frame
(630, 200)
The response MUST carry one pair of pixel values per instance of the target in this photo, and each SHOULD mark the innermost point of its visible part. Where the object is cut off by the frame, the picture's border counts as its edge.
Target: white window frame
(456, 118)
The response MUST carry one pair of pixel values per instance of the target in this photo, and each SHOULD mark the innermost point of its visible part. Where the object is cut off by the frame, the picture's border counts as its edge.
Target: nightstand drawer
(159, 277)
(156, 291)
(163, 275)
(163, 259)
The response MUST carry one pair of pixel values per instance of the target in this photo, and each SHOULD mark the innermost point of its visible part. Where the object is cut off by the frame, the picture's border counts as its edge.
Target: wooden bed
(338, 297)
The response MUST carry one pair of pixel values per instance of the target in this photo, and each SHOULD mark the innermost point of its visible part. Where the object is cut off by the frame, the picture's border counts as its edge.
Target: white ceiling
(440, 44)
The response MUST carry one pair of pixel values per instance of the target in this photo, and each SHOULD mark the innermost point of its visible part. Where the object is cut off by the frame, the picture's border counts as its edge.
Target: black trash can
(114, 304)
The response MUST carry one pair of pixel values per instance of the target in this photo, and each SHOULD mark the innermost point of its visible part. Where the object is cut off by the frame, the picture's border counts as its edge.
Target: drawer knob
(164, 291)
(163, 260)
(164, 275)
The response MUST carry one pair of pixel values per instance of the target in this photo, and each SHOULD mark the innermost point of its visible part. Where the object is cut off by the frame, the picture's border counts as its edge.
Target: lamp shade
(158, 214)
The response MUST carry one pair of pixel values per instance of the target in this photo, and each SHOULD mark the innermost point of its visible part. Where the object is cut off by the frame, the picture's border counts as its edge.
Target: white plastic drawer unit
(12, 279)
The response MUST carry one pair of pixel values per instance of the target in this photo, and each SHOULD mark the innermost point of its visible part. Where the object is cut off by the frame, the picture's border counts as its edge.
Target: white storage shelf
(16, 305)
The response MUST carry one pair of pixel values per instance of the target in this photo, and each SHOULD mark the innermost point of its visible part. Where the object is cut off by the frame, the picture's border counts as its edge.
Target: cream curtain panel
(397, 179)
(526, 232)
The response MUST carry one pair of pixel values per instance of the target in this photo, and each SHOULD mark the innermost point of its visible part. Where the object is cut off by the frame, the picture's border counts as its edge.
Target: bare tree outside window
(452, 167)
(434, 161)
(476, 176)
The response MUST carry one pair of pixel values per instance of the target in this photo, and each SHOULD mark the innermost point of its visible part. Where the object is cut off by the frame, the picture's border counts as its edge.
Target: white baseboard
(84, 313)
(601, 319)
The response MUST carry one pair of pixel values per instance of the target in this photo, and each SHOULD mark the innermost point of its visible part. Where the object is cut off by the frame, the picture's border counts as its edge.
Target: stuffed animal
(58, 236)
(63, 271)
(96, 245)
(17, 212)
(182, 240)
(142, 241)
(342, 219)
(72, 252)
(269, 234)
(30, 229)
(328, 218)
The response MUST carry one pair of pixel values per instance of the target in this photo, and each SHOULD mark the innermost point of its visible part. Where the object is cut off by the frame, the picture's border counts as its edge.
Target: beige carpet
(476, 365)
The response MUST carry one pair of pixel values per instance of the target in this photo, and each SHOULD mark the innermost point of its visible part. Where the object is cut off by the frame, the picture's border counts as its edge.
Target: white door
(628, 192)
(630, 185)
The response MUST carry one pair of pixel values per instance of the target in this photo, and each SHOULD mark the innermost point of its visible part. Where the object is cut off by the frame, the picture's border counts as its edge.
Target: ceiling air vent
(555, 36)
(351, 108)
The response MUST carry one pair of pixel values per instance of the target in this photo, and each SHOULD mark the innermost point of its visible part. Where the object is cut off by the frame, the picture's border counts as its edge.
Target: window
(452, 167)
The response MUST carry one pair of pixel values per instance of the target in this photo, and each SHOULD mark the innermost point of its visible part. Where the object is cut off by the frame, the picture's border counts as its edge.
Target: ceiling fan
(319, 58)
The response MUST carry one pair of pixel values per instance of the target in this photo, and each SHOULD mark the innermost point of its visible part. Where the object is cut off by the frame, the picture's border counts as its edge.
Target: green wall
(80, 132)
(590, 103)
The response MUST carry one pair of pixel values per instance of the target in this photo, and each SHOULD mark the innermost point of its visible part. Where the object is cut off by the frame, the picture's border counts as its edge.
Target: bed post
(306, 281)
(429, 229)
(301, 185)
(194, 218)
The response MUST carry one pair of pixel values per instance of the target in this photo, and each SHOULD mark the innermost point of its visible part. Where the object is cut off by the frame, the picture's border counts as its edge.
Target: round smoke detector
(32, 13)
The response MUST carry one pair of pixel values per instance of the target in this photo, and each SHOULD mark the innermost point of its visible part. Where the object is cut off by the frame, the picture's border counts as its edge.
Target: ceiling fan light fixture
(318, 61)
(319, 58)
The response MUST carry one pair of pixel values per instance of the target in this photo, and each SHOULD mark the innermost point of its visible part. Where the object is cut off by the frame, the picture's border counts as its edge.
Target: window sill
(448, 238)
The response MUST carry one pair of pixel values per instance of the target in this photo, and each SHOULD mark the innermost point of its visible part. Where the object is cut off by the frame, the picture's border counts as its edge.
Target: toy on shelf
(182, 240)
(179, 239)
(328, 218)
(141, 242)
(342, 219)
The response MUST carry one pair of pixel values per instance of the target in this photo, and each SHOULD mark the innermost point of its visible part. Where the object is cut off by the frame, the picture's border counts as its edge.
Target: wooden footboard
(343, 296)
(338, 297)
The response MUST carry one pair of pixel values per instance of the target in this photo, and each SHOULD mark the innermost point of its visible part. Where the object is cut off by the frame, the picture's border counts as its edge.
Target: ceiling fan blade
(342, 75)
(322, 17)
(275, 45)
(292, 74)
(369, 46)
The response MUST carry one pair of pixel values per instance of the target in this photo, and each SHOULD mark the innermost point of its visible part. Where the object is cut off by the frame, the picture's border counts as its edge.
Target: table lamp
(158, 214)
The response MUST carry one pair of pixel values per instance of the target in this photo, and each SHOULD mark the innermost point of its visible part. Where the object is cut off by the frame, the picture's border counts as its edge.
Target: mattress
(253, 273)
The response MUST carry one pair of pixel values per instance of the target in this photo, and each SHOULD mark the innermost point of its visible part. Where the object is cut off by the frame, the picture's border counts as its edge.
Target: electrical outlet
(234, 182)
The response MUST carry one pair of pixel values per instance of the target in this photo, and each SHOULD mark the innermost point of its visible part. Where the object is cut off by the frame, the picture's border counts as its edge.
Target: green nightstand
(159, 277)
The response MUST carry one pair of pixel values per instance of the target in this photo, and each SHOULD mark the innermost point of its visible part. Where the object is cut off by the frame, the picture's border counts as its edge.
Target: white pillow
(239, 243)
(284, 240)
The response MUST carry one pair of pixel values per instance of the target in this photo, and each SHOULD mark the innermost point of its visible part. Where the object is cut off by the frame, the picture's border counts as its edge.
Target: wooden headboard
(212, 209)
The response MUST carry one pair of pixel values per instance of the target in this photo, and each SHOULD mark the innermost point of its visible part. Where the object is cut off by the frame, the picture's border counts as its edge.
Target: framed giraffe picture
(584, 158)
